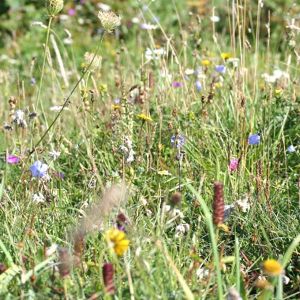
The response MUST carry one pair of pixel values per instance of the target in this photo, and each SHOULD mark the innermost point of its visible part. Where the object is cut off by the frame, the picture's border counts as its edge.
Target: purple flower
(220, 69)
(39, 169)
(72, 12)
(177, 84)
(198, 86)
(117, 101)
(177, 141)
(233, 165)
(254, 139)
(32, 81)
(12, 159)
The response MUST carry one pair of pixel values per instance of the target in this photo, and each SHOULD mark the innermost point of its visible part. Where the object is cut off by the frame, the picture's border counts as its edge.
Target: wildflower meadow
(150, 149)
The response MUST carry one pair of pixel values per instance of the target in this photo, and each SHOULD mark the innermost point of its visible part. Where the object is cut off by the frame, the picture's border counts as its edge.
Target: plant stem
(44, 65)
(67, 99)
(210, 225)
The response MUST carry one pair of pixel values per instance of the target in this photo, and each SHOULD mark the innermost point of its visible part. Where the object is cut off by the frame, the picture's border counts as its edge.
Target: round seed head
(54, 7)
(109, 20)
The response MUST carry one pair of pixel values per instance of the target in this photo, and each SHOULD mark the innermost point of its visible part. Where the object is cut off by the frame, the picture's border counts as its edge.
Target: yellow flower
(205, 62)
(116, 107)
(278, 91)
(272, 267)
(218, 85)
(226, 55)
(144, 117)
(117, 240)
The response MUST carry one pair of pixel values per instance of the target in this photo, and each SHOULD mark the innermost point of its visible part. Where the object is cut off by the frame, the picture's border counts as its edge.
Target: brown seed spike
(108, 278)
(64, 262)
(218, 204)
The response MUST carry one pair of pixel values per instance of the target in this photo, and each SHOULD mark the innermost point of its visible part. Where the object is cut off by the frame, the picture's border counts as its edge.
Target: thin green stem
(210, 225)
(67, 99)
(44, 64)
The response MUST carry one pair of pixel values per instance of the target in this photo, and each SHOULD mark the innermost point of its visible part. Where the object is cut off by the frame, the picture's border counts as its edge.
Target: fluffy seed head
(54, 7)
(109, 20)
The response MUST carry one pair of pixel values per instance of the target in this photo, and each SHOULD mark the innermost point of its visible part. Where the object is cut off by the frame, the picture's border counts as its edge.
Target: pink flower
(12, 159)
(72, 12)
(233, 165)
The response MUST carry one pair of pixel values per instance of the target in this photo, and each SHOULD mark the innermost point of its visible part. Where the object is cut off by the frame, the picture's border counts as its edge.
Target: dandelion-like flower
(272, 267)
(109, 20)
(117, 240)
(254, 139)
(205, 62)
(144, 117)
(54, 7)
(226, 55)
(39, 169)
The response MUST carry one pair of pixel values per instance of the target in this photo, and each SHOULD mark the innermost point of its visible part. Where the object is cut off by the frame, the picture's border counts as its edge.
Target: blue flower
(198, 86)
(177, 141)
(39, 169)
(254, 139)
(291, 149)
(220, 69)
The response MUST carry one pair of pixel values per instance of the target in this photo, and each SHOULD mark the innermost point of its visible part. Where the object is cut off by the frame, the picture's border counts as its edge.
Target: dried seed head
(3, 268)
(109, 20)
(64, 262)
(79, 244)
(176, 198)
(108, 278)
(218, 204)
(54, 6)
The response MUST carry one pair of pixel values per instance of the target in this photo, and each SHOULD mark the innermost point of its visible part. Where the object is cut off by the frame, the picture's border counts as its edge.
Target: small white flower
(38, 198)
(104, 7)
(126, 148)
(181, 229)
(215, 19)
(135, 20)
(291, 149)
(202, 273)
(147, 26)
(189, 72)
(154, 54)
(19, 118)
(54, 154)
(285, 279)
(243, 204)
(51, 250)
(233, 294)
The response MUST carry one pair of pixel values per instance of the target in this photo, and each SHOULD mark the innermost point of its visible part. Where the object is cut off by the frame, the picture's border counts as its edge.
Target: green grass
(216, 123)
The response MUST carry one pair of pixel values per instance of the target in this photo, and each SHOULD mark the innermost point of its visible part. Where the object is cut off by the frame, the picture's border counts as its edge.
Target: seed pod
(218, 204)
(64, 262)
(54, 7)
(3, 268)
(176, 198)
(108, 278)
(79, 243)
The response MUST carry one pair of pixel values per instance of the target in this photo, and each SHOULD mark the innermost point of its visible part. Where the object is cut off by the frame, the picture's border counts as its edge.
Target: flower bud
(54, 6)
(109, 20)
